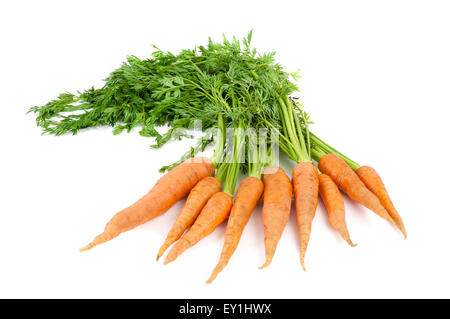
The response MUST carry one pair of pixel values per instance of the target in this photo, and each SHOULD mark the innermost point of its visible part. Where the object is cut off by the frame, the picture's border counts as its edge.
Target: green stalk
(285, 144)
(222, 172)
(232, 169)
(302, 140)
(291, 120)
(294, 128)
(270, 159)
(289, 126)
(308, 138)
(255, 162)
(317, 153)
(220, 142)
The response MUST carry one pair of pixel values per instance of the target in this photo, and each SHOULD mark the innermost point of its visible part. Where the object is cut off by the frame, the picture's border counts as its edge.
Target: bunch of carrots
(231, 89)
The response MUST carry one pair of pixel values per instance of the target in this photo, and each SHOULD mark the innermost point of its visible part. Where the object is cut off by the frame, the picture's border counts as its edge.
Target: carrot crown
(321, 148)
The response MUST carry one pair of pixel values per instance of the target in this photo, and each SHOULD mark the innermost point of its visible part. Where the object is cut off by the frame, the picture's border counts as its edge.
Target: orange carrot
(305, 178)
(166, 192)
(212, 215)
(374, 183)
(334, 203)
(349, 182)
(196, 200)
(247, 196)
(276, 208)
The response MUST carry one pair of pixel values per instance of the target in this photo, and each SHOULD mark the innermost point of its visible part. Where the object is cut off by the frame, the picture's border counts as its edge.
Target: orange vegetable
(167, 191)
(247, 196)
(334, 203)
(212, 215)
(196, 200)
(375, 184)
(349, 182)
(305, 178)
(276, 208)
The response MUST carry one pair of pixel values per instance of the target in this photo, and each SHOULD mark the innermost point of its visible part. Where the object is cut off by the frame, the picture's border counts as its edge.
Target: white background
(375, 77)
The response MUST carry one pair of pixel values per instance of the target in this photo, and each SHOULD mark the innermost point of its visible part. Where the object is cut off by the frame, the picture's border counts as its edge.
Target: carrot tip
(400, 227)
(303, 264)
(349, 241)
(267, 263)
(404, 233)
(87, 247)
(161, 251)
(212, 277)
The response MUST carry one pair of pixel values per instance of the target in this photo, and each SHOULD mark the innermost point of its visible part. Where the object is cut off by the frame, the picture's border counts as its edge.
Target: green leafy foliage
(229, 80)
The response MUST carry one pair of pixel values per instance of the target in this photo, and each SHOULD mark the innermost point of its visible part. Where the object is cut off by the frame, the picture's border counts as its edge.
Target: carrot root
(196, 200)
(247, 196)
(212, 215)
(375, 184)
(332, 198)
(351, 184)
(305, 178)
(276, 209)
(167, 191)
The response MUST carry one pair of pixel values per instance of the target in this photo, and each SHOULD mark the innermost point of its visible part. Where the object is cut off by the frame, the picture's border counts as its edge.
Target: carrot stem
(317, 153)
(220, 141)
(232, 169)
(293, 131)
(285, 144)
